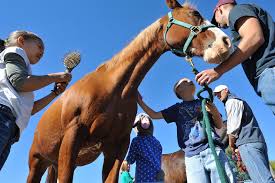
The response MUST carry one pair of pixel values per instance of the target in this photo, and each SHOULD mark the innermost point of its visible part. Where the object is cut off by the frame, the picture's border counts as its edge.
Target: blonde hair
(27, 35)
(124, 166)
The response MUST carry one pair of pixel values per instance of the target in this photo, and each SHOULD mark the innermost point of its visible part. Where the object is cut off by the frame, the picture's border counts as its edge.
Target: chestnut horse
(173, 165)
(95, 115)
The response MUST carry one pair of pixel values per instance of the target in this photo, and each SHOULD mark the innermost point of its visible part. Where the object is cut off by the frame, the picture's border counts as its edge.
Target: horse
(95, 114)
(173, 165)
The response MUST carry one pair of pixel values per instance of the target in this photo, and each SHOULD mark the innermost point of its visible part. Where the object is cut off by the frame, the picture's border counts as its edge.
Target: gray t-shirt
(16, 69)
(264, 57)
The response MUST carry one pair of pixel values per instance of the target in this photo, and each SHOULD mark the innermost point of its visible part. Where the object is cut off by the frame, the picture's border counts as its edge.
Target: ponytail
(2, 45)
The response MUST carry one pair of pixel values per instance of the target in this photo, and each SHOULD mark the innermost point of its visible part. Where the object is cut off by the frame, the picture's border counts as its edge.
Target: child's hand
(59, 88)
(210, 107)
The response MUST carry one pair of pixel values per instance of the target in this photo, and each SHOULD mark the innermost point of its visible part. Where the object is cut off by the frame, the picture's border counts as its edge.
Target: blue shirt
(191, 136)
(146, 152)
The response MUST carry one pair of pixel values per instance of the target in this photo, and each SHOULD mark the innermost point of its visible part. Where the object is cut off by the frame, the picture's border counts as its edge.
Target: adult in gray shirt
(253, 32)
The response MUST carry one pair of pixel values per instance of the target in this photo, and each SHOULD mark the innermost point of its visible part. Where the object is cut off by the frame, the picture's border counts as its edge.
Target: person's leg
(195, 171)
(266, 87)
(7, 133)
(255, 158)
(211, 166)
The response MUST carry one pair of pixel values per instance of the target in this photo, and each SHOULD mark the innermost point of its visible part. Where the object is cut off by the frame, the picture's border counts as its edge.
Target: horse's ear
(173, 4)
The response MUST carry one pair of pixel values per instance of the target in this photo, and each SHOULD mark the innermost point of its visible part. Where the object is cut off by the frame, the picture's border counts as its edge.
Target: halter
(194, 31)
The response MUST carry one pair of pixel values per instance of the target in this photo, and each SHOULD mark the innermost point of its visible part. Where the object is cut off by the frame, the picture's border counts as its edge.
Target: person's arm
(132, 154)
(212, 109)
(234, 109)
(17, 73)
(153, 114)
(43, 102)
(252, 39)
(232, 141)
(32, 82)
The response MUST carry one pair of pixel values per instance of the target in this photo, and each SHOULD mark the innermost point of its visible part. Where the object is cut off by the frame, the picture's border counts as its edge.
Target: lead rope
(206, 123)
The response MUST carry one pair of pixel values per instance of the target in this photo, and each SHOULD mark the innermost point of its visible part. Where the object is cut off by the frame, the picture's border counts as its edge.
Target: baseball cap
(220, 88)
(220, 3)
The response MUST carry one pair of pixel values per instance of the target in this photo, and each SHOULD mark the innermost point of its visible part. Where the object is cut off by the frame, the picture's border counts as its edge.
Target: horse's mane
(188, 4)
(140, 43)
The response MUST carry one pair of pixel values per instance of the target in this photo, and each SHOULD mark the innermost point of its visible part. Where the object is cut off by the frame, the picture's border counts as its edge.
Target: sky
(99, 30)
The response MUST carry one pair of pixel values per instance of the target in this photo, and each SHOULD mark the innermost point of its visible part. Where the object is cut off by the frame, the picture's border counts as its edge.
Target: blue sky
(100, 29)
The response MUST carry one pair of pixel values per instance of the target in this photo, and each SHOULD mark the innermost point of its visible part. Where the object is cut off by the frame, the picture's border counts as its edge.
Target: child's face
(145, 122)
(34, 50)
(145, 125)
(186, 87)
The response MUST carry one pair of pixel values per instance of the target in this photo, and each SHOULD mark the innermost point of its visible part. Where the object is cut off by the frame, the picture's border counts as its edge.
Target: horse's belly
(88, 154)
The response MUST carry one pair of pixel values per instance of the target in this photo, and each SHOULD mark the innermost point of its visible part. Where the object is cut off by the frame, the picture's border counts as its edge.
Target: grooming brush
(71, 60)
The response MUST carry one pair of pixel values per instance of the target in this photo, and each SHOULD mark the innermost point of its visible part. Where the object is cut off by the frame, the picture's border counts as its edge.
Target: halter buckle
(195, 29)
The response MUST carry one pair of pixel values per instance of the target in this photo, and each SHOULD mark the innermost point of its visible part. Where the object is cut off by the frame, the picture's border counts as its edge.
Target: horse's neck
(129, 67)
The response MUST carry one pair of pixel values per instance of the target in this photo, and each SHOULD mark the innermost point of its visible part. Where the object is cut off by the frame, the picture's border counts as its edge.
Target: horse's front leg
(70, 146)
(113, 157)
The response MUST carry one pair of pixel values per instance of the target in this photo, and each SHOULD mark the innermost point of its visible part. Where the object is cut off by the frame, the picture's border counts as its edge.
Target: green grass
(272, 165)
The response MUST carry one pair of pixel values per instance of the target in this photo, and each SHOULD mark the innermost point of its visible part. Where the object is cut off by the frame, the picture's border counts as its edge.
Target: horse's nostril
(226, 41)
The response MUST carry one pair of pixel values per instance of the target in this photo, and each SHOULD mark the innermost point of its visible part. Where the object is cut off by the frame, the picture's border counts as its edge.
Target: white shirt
(21, 103)
(234, 109)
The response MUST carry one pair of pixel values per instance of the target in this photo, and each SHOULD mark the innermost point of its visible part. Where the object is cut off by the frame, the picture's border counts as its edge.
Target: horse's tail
(52, 174)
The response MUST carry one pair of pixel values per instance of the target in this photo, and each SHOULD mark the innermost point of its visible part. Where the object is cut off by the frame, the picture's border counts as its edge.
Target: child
(199, 161)
(22, 49)
(125, 176)
(146, 151)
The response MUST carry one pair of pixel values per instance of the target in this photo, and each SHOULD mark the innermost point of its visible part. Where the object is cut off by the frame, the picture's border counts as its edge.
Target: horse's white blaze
(219, 50)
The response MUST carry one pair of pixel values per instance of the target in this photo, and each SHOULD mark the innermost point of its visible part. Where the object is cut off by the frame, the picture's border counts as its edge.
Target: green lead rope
(207, 126)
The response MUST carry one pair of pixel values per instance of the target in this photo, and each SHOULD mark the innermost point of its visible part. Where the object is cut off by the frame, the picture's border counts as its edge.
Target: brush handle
(68, 70)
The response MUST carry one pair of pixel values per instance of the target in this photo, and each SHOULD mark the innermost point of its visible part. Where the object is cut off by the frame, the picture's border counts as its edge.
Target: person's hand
(207, 76)
(60, 88)
(60, 77)
(210, 107)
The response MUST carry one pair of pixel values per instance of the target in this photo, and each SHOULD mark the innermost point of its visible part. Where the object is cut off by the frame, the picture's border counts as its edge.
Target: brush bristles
(72, 59)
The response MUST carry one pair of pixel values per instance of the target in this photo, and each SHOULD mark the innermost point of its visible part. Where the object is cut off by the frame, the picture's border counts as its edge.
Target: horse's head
(186, 32)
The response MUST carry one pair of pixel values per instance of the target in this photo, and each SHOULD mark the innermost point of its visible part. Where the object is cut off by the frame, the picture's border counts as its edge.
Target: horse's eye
(196, 13)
